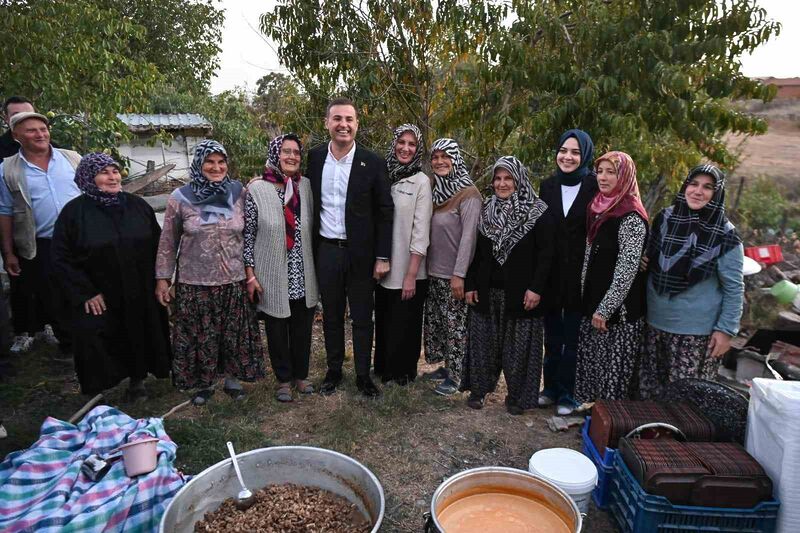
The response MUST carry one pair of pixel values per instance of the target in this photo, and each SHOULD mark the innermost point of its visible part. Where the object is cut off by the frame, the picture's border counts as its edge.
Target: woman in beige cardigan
(400, 295)
(279, 262)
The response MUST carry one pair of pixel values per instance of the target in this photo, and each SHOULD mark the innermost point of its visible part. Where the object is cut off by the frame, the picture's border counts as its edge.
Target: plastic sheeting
(773, 438)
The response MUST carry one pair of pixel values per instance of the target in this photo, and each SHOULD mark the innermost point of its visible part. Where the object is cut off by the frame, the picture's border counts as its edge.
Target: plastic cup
(139, 457)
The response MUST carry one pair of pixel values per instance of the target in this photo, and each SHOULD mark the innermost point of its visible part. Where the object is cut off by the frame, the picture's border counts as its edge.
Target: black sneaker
(447, 387)
(329, 384)
(475, 401)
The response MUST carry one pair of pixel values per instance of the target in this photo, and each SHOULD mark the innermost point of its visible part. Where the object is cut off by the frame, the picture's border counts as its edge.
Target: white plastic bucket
(140, 456)
(569, 470)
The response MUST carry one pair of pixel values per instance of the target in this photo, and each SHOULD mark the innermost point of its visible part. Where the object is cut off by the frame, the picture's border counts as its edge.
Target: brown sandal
(303, 386)
(284, 392)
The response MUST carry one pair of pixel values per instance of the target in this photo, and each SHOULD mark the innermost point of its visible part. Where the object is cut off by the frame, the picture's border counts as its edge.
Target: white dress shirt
(568, 195)
(335, 177)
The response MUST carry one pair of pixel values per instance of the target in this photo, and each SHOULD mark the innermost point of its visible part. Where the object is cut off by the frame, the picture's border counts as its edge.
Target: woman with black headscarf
(279, 262)
(214, 326)
(567, 193)
(454, 225)
(504, 288)
(104, 249)
(400, 295)
(695, 286)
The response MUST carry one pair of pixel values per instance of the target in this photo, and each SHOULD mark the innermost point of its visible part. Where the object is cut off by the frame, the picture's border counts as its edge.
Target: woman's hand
(599, 323)
(254, 291)
(409, 288)
(530, 300)
(162, 292)
(457, 287)
(719, 344)
(382, 267)
(471, 297)
(95, 305)
(643, 262)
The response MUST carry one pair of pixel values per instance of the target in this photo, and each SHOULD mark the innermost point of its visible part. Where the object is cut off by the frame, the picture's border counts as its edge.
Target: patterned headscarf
(214, 198)
(623, 199)
(273, 173)
(506, 222)
(89, 167)
(445, 187)
(397, 170)
(586, 147)
(202, 187)
(686, 244)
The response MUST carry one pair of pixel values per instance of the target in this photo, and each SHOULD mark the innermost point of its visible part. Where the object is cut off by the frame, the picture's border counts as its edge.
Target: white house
(187, 129)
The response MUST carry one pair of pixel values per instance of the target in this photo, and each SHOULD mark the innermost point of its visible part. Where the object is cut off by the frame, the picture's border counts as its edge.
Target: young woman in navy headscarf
(567, 193)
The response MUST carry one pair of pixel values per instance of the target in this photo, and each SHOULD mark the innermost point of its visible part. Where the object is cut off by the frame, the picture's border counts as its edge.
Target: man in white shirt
(353, 212)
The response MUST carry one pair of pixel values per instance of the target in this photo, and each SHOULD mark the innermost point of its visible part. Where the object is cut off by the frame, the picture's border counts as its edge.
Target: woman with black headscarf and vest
(279, 262)
(400, 294)
(695, 286)
(104, 250)
(504, 288)
(214, 325)
(454, 225)
(567, 193)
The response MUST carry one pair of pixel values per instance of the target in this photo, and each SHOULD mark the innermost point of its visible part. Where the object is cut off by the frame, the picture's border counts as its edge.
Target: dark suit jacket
(368, 207)
(570, 241)
(526, 268)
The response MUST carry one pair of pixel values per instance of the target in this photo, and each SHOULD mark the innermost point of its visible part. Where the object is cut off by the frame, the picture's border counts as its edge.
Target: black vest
(602, 260)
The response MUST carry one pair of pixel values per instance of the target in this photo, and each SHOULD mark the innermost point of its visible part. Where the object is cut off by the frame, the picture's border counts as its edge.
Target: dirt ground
(410, 438)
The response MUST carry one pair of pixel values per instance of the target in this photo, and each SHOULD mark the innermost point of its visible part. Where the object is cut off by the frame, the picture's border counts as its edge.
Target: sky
(246, 54)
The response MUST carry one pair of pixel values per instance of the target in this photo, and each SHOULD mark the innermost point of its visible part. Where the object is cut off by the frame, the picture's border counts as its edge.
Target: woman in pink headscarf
(612, 286)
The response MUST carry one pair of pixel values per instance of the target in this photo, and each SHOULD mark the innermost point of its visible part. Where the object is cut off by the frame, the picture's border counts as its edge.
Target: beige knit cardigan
(269, 251)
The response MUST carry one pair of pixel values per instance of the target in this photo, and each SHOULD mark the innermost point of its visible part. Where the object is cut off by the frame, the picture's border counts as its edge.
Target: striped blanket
(42, 488)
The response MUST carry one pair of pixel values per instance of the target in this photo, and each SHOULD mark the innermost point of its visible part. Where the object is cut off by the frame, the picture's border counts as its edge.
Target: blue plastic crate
(605, 466)
(639, 512)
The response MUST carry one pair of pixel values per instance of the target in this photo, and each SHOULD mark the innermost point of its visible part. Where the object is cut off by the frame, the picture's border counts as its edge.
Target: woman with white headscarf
(400, 295)
(456, 209)
(215, 328)
(504, 289)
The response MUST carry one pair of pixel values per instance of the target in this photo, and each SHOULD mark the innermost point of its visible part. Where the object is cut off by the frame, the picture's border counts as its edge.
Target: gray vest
(269, 251)
(24, 224)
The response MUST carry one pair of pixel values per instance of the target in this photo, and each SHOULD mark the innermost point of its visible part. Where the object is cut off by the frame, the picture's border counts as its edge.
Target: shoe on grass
(22, 343)
(439, 374)
(303, 386)
(475, 401)
(47, 335)
(447, 387)
(202, 397)
(284, 392)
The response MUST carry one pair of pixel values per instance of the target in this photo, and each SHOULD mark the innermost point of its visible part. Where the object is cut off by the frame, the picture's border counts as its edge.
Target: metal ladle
(245, 498)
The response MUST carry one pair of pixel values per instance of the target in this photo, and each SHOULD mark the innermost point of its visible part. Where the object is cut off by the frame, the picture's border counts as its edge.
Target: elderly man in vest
(35, 184)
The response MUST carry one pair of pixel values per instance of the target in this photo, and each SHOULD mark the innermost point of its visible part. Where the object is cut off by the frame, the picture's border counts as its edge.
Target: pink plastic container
(139, 457)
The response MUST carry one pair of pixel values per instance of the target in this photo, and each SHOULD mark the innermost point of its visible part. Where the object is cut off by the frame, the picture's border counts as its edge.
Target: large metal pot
(493, 478)
(301, 465)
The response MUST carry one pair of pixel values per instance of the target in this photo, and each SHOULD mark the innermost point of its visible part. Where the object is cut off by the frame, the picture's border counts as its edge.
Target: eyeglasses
(289, 151)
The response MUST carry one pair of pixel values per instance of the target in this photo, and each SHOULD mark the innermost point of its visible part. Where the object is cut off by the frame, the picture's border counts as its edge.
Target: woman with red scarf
(613, 288)
(279, 262)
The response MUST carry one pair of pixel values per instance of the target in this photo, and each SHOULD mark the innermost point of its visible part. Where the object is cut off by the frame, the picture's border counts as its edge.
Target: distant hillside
(777, 153)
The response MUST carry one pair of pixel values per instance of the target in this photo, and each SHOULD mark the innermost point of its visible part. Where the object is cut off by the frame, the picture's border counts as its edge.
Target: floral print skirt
(215, 332)
(668, 357)
(445, 326)
(608, 362)
(512, 345)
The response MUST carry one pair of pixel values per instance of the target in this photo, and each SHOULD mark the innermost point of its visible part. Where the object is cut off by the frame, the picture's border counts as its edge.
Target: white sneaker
(565, 410)
(545, 401)
(3, 432)
(48, 335)
(22, 343)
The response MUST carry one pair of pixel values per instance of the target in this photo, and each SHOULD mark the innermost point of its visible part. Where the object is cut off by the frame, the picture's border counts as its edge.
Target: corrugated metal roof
(177, 121)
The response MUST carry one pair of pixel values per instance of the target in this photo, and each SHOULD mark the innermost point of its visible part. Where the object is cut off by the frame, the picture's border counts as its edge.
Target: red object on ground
(768, 254)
